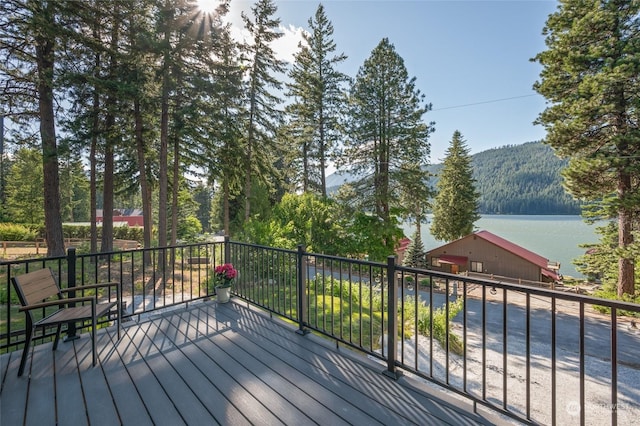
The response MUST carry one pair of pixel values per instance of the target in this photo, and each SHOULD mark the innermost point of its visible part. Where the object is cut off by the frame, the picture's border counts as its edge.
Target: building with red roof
(486, 253)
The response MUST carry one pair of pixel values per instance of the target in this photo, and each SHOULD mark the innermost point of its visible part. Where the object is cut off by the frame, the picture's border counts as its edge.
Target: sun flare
(207, 6)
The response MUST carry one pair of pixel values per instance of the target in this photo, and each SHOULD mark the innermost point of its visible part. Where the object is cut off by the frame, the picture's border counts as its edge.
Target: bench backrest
(36, 286)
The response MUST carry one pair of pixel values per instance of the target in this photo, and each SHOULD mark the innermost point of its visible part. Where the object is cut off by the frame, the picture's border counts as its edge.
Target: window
(476, 267)
(435, 261)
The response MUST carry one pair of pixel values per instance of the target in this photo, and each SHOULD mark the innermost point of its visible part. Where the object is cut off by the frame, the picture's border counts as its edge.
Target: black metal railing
(151, 279)
(533, 354)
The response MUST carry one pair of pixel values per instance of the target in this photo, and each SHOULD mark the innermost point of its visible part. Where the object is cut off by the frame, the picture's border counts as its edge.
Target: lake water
(555, 237)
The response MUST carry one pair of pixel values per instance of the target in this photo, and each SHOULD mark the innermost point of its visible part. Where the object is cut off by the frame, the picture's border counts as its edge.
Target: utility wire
(484, 102)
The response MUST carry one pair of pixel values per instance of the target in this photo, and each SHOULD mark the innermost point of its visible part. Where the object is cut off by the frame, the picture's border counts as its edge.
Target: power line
(484, 102)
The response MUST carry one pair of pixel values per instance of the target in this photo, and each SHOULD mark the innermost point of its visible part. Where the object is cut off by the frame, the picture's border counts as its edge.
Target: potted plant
(224, 275)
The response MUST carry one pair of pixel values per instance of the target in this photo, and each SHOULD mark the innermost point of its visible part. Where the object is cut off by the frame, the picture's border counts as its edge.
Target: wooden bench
(39, 289)
(198, 260)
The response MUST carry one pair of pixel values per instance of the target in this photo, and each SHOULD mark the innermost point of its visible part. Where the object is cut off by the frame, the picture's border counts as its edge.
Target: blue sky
(470, 58)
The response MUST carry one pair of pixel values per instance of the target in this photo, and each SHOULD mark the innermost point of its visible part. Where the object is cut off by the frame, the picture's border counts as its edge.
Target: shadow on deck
(216, 364)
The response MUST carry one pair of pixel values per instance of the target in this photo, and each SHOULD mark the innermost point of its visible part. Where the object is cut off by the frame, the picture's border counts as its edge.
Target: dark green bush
(17, 232)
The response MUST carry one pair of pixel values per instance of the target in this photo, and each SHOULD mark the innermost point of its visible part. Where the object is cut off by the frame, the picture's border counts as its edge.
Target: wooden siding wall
(495, 260)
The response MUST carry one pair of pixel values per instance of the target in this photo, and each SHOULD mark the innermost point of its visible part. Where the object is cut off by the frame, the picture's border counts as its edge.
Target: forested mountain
(515, 179)
(522, 179)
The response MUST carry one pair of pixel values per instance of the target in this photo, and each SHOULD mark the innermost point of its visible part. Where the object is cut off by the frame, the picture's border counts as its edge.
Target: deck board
(262, 382)
(14, 391)
(123, 391)
(351, 381)
(41, 386)
(69, 390)
(215, 364)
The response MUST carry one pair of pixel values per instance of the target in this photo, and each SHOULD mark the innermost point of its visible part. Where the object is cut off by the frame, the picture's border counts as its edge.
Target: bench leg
(25, 350)
(55, 342)
(93, 334)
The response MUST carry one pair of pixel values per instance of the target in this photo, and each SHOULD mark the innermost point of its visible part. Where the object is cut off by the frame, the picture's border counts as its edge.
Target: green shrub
(16, 232)
(440, 322)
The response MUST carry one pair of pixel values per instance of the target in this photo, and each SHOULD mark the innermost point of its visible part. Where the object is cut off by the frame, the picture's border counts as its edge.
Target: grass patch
(354, 312)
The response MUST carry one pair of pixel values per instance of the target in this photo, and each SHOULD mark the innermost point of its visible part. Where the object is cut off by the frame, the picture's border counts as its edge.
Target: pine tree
(318, 101)
(262, 113)
(590, 79)
(387, 143)
(226, 131)
(456, 204)
(24, 187)
(414, 257)
(31, 34)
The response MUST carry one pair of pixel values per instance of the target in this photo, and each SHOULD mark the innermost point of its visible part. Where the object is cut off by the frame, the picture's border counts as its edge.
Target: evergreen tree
(590, 79)
(24, 188)
(74, 189)
(415, 255)
(415, 194)
(31, 34)
(456, 204)
(318, 101)
(262, 113)
(387, 143)
(226, 130)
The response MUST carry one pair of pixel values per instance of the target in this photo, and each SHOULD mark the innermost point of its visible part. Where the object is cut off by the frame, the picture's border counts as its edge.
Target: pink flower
(225, 273)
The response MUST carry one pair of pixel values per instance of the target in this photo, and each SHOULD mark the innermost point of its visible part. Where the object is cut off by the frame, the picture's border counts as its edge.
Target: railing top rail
(538, 291)
(277, 249)
(348, 260)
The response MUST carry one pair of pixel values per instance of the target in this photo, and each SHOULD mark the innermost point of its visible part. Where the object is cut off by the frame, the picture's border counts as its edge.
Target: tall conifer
(387, 145)
(590, 79)
(456, 204)
(263, 115)
(319, 97)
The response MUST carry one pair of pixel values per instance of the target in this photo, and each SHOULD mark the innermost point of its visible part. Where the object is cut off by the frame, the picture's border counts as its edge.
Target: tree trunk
(107, 193)
(323, 156)
(175, 185)
(164, 141)
(93, 183)
(144, 184)
(626, 273)
(226, 220)
(45, 62)
(110, 120)
(247, 183)
(93, 203)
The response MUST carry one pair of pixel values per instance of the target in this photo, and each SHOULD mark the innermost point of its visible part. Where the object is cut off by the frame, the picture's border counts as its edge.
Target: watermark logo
(573, 408)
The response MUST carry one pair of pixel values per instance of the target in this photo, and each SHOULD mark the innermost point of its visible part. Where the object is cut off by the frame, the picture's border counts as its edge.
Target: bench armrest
(58, 302)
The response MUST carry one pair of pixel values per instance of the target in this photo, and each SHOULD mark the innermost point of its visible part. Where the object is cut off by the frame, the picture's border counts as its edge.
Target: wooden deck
(215, 364)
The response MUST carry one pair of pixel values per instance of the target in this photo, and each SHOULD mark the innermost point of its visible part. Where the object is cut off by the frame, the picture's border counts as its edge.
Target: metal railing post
(392, 328)
(227, 250)
(302, 294)
(71, 283)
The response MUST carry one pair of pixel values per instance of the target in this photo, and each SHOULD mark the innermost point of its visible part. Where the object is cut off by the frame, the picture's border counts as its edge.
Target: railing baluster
(392, 329)
(582, 366)
(528, 354)
(431, 327)
(484, 343)
(446, 331)
(614, 366)
(553, 361)
(464, 336)
(302, 308)
(290, 294)
(505, 348)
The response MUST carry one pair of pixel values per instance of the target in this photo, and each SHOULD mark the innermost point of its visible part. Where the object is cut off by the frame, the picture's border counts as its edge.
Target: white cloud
(287, 45)
(284, 47)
